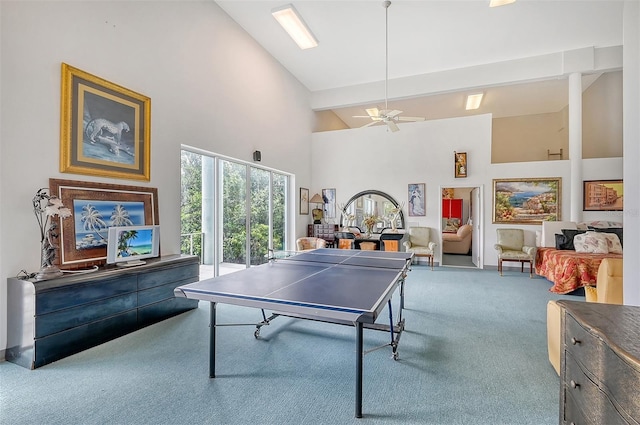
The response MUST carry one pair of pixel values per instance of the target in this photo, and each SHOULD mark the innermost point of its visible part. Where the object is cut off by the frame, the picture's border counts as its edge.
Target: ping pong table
(349, 287)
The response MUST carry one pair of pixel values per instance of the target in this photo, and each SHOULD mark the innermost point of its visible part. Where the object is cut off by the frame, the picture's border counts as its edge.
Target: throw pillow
(616, 230)
(570, 235)
(591, 242)
(613, 242)
(562, 243)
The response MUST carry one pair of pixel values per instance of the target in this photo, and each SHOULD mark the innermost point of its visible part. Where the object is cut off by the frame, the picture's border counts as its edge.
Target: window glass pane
(279, 206)
(191, 204)
(234, 217)
(260, 195)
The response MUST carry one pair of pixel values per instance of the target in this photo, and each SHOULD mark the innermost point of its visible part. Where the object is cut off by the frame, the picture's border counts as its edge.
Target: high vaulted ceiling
(432, 41)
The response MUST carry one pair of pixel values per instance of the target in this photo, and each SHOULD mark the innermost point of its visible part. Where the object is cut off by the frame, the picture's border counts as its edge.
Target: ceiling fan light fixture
(496, 3)
(473, 101)
(289, 18)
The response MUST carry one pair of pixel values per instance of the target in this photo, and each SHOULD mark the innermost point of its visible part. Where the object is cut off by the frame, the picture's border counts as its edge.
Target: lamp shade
(316, 199)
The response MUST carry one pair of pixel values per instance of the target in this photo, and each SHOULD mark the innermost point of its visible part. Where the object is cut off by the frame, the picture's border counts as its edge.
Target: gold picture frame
(460, 164)
(527, 200)
(603, 195)
(104, 129)
(95, 207)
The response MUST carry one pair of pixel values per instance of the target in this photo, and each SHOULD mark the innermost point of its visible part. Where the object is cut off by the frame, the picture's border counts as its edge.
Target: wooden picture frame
(304, 201)
(104, 128)
(460, 164)
(417, 199)
(603, 195)
(95, 207)
(527, 200)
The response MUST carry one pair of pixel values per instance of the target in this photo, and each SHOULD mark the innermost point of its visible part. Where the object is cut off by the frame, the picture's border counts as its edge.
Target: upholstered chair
(510, 246)
(420, 243)
(390, 241)
(459, 242)
(345, 240)
(307, 243)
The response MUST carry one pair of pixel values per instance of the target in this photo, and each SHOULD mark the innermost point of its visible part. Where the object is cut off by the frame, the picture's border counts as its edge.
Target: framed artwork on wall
(304, 201)
(104, 128)
(329, 198)
(460, 164)
(95, 207)
(527, 200)
(416, 196)
(603, 195)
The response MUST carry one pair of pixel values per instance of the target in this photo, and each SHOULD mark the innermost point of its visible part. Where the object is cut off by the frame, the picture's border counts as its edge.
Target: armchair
(307, 243)
(510, 246)
(419, 243)
(457, 243)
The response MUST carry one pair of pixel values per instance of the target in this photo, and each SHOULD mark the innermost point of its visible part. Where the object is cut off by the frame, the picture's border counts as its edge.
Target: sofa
(608, 290)
(459, 242)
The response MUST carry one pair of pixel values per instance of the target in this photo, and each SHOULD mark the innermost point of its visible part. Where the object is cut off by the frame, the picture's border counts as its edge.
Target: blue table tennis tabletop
(332, 285)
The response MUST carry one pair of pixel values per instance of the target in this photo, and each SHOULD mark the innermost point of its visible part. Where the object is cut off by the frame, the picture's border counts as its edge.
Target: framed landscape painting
(603, 195)
(526, 201)
(104, 129)
(95, 207)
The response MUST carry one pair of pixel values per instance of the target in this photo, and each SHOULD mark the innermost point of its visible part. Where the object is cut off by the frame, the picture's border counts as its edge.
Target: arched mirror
(372, 203)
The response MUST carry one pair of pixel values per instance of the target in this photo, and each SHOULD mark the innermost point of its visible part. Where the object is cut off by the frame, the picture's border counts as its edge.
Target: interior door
(476, 220)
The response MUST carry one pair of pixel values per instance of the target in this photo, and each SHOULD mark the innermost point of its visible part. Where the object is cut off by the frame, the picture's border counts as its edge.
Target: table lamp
(317, 211)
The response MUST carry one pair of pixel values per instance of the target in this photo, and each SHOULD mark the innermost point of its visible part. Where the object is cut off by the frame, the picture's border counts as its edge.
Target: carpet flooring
(474, 352)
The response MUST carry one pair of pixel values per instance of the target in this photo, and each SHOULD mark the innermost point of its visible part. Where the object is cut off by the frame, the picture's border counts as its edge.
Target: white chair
(420, 244)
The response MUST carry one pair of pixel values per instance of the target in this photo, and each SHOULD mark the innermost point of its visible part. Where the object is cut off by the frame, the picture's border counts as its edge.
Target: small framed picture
(304, 201)
(460, 161)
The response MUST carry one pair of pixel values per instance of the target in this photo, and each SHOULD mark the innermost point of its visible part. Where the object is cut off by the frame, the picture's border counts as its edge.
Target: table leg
(359, 358)
(212, 341)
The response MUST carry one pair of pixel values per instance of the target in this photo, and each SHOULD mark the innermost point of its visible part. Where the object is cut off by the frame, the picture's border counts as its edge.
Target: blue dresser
(53, 319)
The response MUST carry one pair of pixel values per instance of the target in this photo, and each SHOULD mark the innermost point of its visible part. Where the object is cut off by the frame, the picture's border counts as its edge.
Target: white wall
(631, 135)
(211, 86)
(372, 158)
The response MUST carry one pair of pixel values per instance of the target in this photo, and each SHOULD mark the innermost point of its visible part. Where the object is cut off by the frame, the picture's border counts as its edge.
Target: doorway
(461, 236)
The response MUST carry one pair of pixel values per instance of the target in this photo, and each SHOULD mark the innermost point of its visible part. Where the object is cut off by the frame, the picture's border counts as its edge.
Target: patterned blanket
(569, 270)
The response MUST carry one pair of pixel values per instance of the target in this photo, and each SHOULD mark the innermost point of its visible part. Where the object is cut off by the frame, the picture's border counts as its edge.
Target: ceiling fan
(386, 116)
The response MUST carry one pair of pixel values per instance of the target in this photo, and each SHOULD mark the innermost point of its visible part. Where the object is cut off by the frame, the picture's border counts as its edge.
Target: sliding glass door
(242, 212)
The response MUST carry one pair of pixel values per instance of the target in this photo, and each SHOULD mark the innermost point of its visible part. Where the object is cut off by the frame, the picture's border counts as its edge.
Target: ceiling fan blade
(393, 113)
(373, 112)
(362, 116)
(370, 124)
(392, 126)
(411, 118)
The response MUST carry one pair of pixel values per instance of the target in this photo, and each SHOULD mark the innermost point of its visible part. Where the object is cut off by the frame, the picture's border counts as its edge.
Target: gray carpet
(474, 352)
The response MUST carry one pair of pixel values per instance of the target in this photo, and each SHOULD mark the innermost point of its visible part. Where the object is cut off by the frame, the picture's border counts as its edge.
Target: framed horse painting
(105, 128)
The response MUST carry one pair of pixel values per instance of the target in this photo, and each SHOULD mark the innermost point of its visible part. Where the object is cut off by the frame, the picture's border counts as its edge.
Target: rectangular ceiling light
(496, 3)
(293, 24)
(473, 101)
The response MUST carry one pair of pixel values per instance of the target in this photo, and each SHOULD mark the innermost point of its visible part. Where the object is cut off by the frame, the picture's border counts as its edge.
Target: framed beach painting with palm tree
(95, 207)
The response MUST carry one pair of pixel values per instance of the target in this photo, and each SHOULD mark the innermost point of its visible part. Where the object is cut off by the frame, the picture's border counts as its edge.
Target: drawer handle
(574, 384)
(575, 341)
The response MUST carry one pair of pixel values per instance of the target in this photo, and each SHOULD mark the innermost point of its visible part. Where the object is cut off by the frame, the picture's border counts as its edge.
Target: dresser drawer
(619, 379)
(589, 399)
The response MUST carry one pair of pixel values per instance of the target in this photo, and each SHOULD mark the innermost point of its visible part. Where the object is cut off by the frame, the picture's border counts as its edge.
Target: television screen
(130, 245)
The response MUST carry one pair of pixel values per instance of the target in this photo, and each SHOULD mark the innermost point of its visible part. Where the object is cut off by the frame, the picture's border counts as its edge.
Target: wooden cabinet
(600, 364)
(323, 231)
(53, 319)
